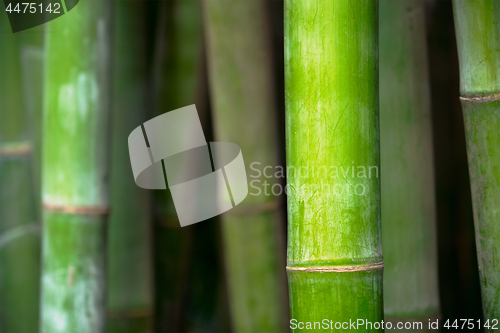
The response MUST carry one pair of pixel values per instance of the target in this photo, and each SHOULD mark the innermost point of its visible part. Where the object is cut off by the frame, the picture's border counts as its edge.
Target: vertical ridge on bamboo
(76, 139)
(332, 148)
(477, 27)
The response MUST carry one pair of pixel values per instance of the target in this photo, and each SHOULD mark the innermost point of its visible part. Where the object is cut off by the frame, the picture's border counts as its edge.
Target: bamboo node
(69, 209)
(480, 98)
(338, 269)
(15, 148)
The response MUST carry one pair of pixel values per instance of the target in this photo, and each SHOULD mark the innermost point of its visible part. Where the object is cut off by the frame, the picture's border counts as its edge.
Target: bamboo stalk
(174, 86)
(407, 184)
(130, 295)
(189, 291)
(242, 91)
(331, 83)
(477, 29)
(75, 169)
(32, 57)
(19, 224)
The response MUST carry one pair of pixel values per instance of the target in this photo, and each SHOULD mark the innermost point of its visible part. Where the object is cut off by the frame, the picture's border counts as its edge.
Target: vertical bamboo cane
(189, 291)
(477, 26)
(130, 294)
(408, 202)
(19, 226)
(32, 57)
(75, 169)
(176, 70)
(239, 63)
(331, 82)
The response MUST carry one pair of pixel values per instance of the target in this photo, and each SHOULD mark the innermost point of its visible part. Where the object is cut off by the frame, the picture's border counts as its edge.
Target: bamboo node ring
(15, 148)
(480, 98)
(70, 209)
(339, 269)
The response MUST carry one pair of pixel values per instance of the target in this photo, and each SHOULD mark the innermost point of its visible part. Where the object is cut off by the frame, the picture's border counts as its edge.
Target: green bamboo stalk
(189, 290)
(477, 26)
(19, 224)
(178, 54)
(130, 295)
(242, 91)
(32, 57)
(77, 108)
(176, 69)
(407, 184)
(332, 135)
(206, 298)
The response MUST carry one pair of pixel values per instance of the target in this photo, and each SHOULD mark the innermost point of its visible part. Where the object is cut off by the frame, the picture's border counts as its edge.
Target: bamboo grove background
(83, 249)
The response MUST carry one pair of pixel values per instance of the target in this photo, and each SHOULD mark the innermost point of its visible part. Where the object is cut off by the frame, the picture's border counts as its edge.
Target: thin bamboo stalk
(130, 276)
(32, 58)
(205, 296)
(174, 86)
(477, 26)
(75, 177)
(407, 183)
(19, 224)
(189, 291)
(242, 91)
(331, 83)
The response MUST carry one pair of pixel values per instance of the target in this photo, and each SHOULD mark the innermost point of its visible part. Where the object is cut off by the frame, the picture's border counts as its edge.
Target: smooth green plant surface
(176, 68)
(482, 128)
(477, 25)
(75, 166)
(478, 39)
(32, 62)
(19, 222)
(332, 146)
(407, 181)
(190, 294)
(130, 274)
(242, 95)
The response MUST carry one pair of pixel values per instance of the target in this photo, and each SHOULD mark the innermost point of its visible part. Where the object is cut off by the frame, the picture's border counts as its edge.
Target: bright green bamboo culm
(19, 224)
(75, 165)
(477, 25)
(332, 145)
(239, 63)
(407, 182)
(130, 294)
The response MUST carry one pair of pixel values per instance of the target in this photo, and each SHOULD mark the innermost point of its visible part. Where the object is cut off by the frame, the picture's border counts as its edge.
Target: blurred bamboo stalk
(242, 91)
(174, 81)
(477, 27)
(19, 224)
(76, 139)
(130, 276)
(32, 58)
(189, 293)
(407, 183)
(331, 82)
